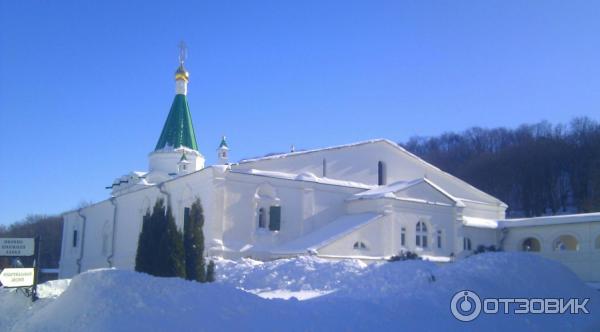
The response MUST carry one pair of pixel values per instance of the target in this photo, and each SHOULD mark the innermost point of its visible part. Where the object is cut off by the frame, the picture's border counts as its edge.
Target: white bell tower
(223, 152)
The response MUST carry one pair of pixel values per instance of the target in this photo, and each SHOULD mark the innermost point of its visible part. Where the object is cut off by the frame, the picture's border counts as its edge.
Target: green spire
(178, 129)
(223, 143)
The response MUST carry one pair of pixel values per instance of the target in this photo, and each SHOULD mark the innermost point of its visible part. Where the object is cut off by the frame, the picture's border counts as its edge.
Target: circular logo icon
(465, 305)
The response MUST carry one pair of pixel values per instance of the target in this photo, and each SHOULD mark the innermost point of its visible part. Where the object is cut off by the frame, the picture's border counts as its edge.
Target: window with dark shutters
(275, 218)
(75, 238)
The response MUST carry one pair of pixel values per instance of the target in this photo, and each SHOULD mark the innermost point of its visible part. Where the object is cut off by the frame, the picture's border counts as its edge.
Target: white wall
(305, 206)
(130, 211)
(486, 211)
(69, 253)
(97, 239)
(584, 262)
(480, 236)
(182, 193)
(374, 235)
(405, 214)
(359, 163)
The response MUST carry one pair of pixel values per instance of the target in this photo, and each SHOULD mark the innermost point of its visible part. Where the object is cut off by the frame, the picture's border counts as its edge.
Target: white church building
(368, 200)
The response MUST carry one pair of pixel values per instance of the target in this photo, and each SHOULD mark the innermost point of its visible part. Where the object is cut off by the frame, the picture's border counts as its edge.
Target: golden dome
(182, 74)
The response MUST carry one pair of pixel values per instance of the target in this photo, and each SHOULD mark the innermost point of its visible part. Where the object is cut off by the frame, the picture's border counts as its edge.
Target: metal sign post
(20, 277)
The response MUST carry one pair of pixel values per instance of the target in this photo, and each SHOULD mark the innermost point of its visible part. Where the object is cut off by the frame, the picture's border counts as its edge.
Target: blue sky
(85, 86)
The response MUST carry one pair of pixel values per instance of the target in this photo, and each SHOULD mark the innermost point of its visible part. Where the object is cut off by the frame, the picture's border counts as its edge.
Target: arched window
(566, 243)
(597, 245)
(381, 173)
(268, 207)
(324, 167)
(403, 236)
(467, 244)
(421, 235)
(359, 245)
(262, 218)
(531, 244)
(439, 239)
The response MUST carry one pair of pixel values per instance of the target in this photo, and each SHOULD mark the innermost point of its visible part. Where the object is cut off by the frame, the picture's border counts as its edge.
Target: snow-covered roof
(306, 176)
(373, 141)
(384, 191)
(326, 234)
(389, 191)
(480, 222)
(303, 152)
(551, 220)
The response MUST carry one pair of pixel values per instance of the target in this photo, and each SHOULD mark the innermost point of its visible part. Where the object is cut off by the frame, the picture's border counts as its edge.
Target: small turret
(223, 151)
(183, 164)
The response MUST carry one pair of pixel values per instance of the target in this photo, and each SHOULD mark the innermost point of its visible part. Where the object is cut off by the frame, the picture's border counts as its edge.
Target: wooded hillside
(50, 230)
(536, 169)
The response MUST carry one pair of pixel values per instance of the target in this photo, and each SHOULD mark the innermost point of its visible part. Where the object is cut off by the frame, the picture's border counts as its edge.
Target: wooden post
(36, 271)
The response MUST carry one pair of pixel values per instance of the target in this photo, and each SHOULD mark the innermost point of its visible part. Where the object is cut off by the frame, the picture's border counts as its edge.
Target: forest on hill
(49, 228)
(537, 169)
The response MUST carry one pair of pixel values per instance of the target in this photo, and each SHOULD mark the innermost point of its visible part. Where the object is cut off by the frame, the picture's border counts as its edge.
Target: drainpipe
(82, 240)
(109, 259)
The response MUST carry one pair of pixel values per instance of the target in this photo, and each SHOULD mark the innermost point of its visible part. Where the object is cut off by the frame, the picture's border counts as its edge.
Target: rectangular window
(439, 239)
(275, 218)
(424, 241)
(418, 241)
(74, 238)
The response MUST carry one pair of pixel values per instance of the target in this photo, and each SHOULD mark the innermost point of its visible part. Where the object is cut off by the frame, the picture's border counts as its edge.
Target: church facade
(368, 200)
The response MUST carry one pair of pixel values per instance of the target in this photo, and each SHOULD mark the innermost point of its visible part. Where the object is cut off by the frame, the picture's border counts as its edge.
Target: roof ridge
(296, 153)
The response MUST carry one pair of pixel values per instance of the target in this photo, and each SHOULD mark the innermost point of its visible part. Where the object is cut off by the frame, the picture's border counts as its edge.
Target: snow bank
(302, 277)
(410, 295)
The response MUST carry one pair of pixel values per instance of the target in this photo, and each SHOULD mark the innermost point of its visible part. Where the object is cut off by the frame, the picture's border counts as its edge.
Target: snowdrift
(346, 295)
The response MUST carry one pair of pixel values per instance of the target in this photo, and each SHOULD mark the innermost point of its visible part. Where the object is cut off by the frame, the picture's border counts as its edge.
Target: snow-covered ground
(304, 294)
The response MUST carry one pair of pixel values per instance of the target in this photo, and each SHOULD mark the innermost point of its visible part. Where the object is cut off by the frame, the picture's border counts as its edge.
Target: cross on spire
(182, 52)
